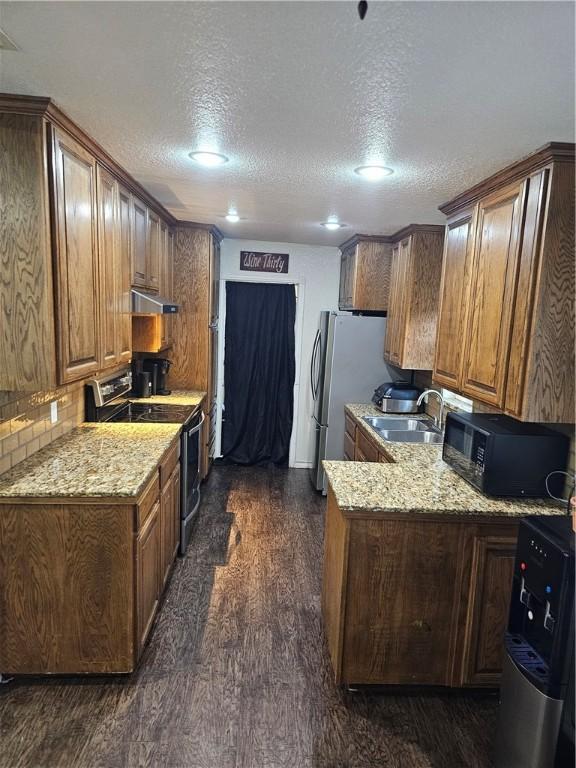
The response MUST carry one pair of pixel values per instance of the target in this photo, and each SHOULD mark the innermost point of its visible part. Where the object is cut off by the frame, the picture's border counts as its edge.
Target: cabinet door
(450, 333)
(77, 291)
(491, 297)
(148, 585)
(109, 263)
(390, 320)
(124, 320)
(398, 302)
(489, 595)
(164, 287)
(153, 269)
(169, 321)
(139, 243)
(170, 519)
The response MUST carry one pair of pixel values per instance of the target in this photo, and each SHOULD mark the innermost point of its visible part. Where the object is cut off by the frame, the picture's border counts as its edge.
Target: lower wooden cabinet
(170, 523)
(148, 574)
(414, 599)
(99, 566)
(358, 445)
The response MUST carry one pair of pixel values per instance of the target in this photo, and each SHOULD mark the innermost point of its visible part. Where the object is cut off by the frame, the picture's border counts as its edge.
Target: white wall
(316, 271)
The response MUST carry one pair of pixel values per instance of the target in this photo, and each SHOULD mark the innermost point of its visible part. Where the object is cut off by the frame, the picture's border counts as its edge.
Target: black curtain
(259, 371)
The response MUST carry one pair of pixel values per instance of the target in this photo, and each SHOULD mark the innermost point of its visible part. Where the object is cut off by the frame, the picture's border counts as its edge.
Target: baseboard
(301, 465)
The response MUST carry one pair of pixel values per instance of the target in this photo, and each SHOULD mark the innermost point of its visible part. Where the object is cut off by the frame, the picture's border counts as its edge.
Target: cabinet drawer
(348, 447)
(365, 449)
(169, 462)
(350, 426)
(150, 497)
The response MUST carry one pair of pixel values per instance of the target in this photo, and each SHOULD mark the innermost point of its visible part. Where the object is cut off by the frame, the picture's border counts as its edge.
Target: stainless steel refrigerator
(347, 365)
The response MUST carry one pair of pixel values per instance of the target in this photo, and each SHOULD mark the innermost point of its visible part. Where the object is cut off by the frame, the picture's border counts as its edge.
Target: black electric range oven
(108, 399)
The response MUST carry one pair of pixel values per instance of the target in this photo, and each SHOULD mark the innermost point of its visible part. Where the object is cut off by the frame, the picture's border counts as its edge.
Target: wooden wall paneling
(124, 318)
(139, 243)
(27, 336)
(191, 291)
(454, 284)
(79, 618)
(489, 327)
(109, 263)
(334, 578)
(541, 376)
(77, 290)
(396, 632)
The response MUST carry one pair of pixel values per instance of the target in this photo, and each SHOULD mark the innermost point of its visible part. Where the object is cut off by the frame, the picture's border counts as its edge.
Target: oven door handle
(198, 426)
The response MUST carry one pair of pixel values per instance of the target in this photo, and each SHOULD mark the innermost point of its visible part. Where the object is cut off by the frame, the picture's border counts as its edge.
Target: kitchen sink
(398, 425)
(411, 436)
(405, 430)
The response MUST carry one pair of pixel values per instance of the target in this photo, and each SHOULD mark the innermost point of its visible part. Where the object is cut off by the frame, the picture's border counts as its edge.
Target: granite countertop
(93, 460)
(418, 481)
(176, 397)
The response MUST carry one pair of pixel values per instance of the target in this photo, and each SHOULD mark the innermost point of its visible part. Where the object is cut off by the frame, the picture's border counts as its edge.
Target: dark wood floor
(236, 674)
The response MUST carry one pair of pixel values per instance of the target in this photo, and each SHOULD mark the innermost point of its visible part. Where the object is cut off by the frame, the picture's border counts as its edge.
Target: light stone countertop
(94, 460)
(176, 397)
(418, 481)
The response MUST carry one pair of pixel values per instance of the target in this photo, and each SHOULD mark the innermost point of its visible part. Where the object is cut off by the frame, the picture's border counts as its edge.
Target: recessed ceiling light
(232, 217)
(332, 223)
(209, 159)
(373, 172)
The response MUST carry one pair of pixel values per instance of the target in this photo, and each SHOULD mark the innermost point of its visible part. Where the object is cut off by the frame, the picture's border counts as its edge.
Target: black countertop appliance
(158, 368)
(538, 665)
(503, 457)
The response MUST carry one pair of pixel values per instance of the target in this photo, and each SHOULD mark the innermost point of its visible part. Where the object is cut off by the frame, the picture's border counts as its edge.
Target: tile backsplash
(26, 425)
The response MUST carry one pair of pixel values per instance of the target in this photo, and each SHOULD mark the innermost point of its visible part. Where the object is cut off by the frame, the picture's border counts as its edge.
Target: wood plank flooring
(236, 674)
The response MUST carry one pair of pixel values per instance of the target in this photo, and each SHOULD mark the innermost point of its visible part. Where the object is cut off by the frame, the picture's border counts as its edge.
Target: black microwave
(503, 457)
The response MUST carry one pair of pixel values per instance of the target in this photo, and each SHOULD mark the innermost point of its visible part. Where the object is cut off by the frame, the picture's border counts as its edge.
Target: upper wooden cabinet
(77, 279)
(506, 327)
(71, 239)
(365, 273)
(414, 290)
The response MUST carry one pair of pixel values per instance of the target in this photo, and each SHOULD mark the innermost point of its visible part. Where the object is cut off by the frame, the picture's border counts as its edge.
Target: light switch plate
(54, 412)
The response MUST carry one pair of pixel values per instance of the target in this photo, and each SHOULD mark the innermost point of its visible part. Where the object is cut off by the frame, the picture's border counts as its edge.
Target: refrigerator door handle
(313, 384)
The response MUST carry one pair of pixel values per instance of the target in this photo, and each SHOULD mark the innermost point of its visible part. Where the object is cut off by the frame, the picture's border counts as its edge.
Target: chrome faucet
(439, 420)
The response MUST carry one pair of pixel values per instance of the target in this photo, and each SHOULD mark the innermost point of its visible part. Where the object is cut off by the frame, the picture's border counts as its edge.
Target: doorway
(259, 372)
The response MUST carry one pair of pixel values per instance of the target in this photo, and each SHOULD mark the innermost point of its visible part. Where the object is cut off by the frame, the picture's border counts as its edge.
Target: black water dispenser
(538, 664)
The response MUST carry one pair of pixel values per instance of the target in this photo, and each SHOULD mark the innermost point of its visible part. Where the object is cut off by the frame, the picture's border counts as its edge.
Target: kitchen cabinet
(349, 438)
(506, 328)
(153, 261)
(194, 350)
(412, 599)
(77, 288)
(139, 244)
(169, 513)
(458, 252)
(72, 238)
(414, 290)
(166, 281)
(148, 579)
(100, 568)
(358, 445)
(365, 273)
(114, 276)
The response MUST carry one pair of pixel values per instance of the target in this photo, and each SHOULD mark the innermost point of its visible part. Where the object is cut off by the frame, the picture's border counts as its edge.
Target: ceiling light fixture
(373, 172)
(232, 217)
(208, 159)
(332, 223)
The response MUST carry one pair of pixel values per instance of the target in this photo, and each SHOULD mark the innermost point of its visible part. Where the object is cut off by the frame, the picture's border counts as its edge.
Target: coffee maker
(158, 368)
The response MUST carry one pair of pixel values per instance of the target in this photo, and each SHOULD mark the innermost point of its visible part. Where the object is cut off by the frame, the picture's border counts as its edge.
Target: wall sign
(254, 261)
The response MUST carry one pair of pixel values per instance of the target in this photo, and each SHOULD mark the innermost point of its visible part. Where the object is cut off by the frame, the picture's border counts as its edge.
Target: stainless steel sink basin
(398, 425)
(414, 436)
(405, 430)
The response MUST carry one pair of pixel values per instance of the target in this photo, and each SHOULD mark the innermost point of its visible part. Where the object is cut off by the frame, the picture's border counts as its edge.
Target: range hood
(144, 303)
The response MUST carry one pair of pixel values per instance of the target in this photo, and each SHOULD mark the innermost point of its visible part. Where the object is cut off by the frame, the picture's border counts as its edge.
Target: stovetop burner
(159, 413)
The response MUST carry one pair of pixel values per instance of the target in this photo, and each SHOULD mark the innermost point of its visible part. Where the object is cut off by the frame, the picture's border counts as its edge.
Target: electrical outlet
(54, 412)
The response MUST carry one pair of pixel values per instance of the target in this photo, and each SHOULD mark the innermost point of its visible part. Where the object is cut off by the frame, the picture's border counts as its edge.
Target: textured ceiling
(298, 95)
